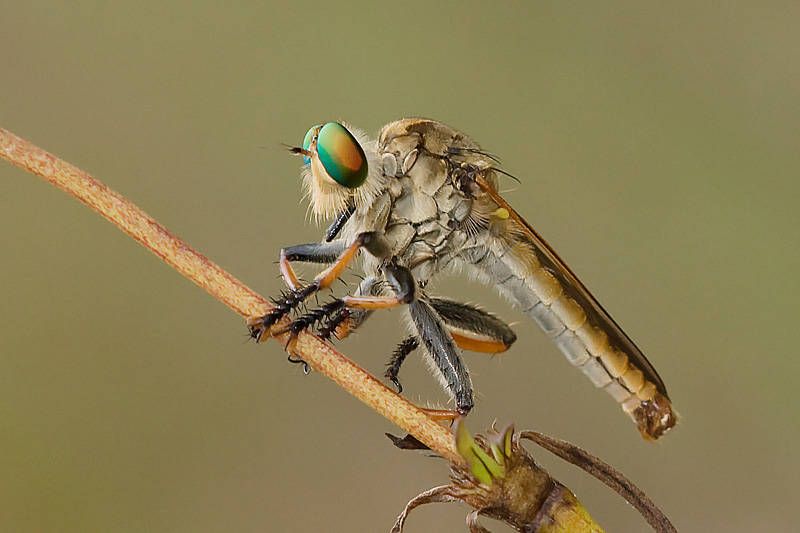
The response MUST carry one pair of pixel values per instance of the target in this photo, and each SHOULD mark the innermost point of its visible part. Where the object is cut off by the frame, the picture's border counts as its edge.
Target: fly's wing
(581, 328)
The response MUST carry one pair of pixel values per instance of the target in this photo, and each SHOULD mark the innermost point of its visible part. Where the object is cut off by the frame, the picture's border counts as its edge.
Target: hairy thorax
(424, 215)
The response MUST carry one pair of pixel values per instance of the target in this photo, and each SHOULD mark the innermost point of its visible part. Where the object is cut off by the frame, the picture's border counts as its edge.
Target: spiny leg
(337, 319)
(345, 320)
(407, 346)
(326, 312)
(312, 253)
(374, 242)
(337, 311)
(340, 325)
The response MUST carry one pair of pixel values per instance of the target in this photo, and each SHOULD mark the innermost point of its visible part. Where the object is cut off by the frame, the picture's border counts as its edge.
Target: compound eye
(341, 155)
(310, 134)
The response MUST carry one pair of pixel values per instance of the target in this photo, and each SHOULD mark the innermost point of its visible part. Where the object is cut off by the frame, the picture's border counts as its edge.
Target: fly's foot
(311, 319)
(298, 361)
(396, 382)
(260, 326)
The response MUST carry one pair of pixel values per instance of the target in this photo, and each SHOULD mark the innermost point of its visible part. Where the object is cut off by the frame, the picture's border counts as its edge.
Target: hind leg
(473, 328)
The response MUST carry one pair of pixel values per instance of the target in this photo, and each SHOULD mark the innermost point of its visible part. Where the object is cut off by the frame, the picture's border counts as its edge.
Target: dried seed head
(501, 480)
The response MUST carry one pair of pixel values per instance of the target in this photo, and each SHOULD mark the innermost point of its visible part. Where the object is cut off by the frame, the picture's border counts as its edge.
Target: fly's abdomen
(541, 296)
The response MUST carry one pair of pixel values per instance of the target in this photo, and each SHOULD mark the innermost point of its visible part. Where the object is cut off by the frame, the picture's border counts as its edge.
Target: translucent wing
(614, 362)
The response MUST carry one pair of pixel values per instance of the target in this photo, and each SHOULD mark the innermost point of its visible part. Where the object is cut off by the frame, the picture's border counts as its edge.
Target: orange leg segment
(473, 344)
(288, 272)
(371, 302)
(325, 278)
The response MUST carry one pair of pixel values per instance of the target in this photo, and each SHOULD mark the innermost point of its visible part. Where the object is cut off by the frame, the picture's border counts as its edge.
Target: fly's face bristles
(327, 197)
(343, 169)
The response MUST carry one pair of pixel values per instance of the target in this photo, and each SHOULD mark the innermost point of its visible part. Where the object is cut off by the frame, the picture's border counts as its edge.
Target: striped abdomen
(581, 329)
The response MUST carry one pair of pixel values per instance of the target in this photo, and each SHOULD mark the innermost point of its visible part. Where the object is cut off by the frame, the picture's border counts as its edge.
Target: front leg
(374, 242)
(316, 252)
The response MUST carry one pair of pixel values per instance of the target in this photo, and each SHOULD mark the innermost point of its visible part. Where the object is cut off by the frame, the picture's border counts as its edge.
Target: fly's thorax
(427, 221)
(431, 217)
(405, 135)
(426, 228)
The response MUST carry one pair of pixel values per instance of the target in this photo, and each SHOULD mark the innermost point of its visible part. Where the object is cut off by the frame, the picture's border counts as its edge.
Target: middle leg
(471, 328)
(430, 329)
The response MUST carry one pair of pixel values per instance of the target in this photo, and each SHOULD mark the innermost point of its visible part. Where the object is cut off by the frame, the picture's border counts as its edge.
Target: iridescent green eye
(341, 155)
(307, 141)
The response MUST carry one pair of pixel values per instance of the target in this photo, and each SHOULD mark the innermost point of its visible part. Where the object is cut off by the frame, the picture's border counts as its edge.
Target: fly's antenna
(296, 150)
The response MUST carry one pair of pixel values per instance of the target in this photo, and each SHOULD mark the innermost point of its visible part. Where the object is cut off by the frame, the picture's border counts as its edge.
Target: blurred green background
(658, 151)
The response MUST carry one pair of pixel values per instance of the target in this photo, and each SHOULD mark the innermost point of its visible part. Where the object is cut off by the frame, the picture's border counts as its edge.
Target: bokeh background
(657, 147)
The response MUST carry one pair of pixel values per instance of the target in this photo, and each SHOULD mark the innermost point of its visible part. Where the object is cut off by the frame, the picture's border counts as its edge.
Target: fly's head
(340, 169)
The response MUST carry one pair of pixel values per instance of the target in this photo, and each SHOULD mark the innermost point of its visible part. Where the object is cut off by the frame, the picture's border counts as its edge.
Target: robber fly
(421, 199)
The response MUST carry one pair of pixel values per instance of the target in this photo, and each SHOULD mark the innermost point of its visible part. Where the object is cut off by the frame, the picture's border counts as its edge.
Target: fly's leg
(430, 328)
(325, 253)
(340, 325)
(345, 321)
(315, 252)
(474, 329)
(355, 309)
(398, 356)
(374, 242)
(310, 319)
(445, 355)
(338, 223)
(339, 320)
(471, 328)
(433, 334)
